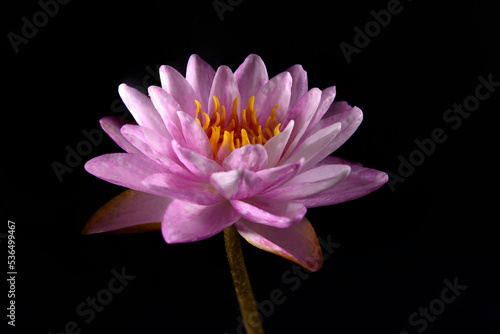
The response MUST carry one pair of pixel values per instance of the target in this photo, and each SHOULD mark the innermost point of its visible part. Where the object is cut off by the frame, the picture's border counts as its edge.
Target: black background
(396, 247)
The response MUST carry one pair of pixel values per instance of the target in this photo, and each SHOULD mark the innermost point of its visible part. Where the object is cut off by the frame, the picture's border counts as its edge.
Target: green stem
(246, 299)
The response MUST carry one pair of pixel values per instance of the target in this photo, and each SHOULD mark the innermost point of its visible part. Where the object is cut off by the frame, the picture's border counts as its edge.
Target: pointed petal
(198, 164)
(128, 209)
(196, 138)
(308, 183)
(275, 176)
(251, 76)
(299, 85)
(173, 186)
(236, 184)
(225, 88)
(252, 157)
(177, 86)
(188, 222)
(298, 243)
(263, 211)
(276, 145)
(124, 169)
(141, 107)
(360, 182)
(167, 107)
(275, 91)
(200, 76)
(327, 97)
(157, 148)
(112, 125)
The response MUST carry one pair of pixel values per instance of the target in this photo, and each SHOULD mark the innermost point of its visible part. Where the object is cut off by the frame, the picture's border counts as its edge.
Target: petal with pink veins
(252, 157)
(124, 169)
(141, 107)
(200, 76)
(129, 209)
(112, 125)
(167, 107)
(173, 186)
(298, 243)
(201, 166)
(225, 88)
(276, 145)
(299, 83)
(327, 97)
(275, 176)
(237, 184)
(360, 182)
(275, 92)
(189, 222)
(268, 212)
(251, 75)
(308, 183)
(180, 89)
(196, 138)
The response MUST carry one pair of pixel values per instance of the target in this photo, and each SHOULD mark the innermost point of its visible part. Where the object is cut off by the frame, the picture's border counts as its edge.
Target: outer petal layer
(298, 243)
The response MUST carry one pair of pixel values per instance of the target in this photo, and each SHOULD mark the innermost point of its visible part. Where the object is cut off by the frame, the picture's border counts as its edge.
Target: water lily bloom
(217, 148)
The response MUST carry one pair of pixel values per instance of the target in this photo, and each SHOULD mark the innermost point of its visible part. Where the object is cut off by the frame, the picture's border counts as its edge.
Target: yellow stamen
(244, 138)
(207, 121)
(277, 129)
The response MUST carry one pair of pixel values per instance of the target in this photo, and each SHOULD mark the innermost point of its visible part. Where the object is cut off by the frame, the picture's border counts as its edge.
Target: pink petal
(225, 88)
(141, 107)
(360, 182)
(251, 76)
(157, 148)
(301, 113)
(200, 76)
(167, 107)
(124, 169)
(173, 186)
(130, 208)
(327, 97)
(177, 86)
(112, 125)
(308, 183)
(315, 143)
(276, 145)
(272, 213)
(275, 91)
(252, 157)
(201, 166)
(350, 120)
(188, 222)
(275, 176)
(299, 85)
(298, 243)
(196, 138)
(237, 184)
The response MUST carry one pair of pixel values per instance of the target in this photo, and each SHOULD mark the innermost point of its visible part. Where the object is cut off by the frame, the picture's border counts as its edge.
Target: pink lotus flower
(217, 148)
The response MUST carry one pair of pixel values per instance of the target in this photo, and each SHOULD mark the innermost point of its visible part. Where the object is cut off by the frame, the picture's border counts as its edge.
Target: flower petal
(327, 97)
(130, 208)
(200, 76)
(299, 84)
(112, 125)
(251, 75)
(275, 176)
(173, 186)
(201, 166)
(272, 213)
(188, 222)
(124, 169)
(252, 157)
(237, 184)
(276, 145)
(225, 88)
(177, 86)
(167, 107)
(360, 182)
(196, 138)
(298, 243)
(275, 91)
(157, 148)
(141, 107)
(308, 183)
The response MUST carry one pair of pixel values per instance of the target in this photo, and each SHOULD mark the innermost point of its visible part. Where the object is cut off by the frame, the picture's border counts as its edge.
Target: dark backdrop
(396, 250)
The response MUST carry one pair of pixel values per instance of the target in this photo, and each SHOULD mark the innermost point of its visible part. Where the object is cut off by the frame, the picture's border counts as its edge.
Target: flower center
(229, 132)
